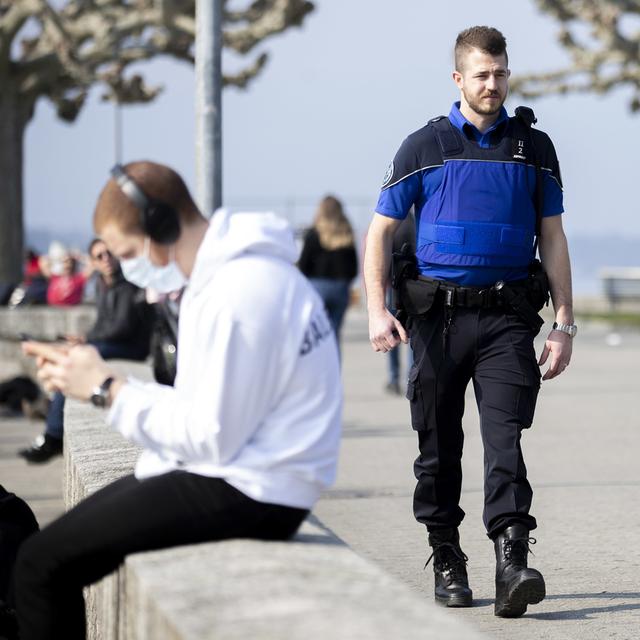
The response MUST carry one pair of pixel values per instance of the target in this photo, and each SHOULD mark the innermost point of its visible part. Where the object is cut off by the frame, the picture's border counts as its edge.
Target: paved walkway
(39, 484)
(582, 456)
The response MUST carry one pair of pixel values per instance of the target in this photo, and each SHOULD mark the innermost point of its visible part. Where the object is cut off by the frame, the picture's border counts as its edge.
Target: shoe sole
(37, 460)
(523, 594)
(457, 601)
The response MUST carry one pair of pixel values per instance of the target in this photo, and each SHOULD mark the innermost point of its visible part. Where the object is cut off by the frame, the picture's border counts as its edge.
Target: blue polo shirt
(416, 175)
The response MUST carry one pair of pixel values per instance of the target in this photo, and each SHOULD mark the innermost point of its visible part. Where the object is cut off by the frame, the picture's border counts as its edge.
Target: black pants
(494, 349)
(125, 517)
(17, 523)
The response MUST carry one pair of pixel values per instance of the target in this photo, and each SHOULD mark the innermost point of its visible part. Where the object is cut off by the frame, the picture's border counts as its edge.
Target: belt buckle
(497, 290)
(485, 299)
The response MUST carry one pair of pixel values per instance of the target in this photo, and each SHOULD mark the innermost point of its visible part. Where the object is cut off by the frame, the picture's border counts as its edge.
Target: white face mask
(143, 273)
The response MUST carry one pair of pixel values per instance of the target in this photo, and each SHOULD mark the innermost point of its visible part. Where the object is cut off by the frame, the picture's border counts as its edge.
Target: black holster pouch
(537, 285)
(418, 295)
(404, 266)
(517, 299)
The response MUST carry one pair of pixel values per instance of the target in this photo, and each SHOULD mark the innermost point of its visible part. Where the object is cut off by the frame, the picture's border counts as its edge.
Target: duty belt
(470, 297)
(420, 294)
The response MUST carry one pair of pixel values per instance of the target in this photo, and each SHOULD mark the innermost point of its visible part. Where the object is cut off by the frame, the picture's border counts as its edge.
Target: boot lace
(516, 550)
(449, 557)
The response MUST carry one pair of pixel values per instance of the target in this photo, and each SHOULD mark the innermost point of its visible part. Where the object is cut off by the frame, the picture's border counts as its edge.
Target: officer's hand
(558, 346)
(385, 331)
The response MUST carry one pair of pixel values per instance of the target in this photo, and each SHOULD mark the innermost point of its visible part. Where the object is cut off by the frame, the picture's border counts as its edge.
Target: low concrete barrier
(46, 322)
(312, 588)
(41, 322)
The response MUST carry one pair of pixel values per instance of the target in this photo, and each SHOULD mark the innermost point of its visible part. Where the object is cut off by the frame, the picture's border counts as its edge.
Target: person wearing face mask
(122, 330)
(244, 442)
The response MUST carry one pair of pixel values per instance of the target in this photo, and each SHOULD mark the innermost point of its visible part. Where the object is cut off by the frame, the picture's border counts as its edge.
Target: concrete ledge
(312, 588)
(308, 588)
(46, 322)
(95, 456)
(41, 322)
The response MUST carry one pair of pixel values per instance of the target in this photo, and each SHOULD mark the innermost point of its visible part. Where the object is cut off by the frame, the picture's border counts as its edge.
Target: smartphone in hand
(27, 337)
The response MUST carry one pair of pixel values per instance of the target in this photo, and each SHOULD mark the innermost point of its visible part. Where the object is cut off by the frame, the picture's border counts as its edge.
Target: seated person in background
(246, 440)
(123, 315)
(34, 284)
(31, 265)
(66, 283)
(122, 330)
(33, 288)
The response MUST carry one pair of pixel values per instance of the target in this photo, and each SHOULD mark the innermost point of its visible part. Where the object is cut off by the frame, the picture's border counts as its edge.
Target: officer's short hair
(487, 39)
(159, 183)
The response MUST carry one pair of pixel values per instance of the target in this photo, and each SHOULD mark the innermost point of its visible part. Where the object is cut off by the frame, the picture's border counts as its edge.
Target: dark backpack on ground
(15, 390)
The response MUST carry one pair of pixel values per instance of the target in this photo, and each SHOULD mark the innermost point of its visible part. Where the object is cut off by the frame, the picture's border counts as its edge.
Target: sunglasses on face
(103, 255)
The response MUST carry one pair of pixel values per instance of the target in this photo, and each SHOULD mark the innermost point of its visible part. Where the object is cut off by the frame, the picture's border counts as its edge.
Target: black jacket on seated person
(123, 317)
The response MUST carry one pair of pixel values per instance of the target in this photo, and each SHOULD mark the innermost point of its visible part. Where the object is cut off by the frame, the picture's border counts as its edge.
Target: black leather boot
(516, 585)
(450, 569)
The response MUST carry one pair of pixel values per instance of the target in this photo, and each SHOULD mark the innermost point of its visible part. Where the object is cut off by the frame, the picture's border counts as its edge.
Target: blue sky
(328, 113)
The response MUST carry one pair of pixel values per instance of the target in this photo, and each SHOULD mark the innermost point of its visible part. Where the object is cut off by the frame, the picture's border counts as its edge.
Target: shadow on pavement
(578, 614)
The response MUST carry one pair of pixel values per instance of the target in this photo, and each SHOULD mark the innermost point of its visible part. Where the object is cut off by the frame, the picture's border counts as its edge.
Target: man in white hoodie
(244, 442)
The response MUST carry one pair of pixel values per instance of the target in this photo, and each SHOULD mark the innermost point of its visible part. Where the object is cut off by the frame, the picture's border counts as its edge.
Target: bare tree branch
(87, 42)
(242, 78)
(265, 18)
(604, 50)
(60, 49)
(13, 16)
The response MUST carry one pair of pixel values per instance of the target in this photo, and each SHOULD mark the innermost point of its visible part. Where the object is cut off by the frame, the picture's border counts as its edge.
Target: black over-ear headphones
(158, 220)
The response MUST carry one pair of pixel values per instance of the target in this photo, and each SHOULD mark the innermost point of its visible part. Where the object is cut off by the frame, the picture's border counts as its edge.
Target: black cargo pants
(494, 349)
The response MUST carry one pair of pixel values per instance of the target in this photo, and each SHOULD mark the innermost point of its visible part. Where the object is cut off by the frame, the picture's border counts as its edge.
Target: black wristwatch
(100, 395)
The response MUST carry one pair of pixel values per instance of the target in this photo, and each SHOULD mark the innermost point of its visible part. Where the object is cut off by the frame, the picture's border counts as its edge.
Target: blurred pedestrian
(246, 440)
(329, 260)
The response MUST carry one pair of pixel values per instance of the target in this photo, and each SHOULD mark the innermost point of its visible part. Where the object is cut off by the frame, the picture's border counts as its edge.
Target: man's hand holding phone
(75, 370)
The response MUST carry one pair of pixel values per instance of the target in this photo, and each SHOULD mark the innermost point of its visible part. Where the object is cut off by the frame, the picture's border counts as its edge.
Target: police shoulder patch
(388, 175)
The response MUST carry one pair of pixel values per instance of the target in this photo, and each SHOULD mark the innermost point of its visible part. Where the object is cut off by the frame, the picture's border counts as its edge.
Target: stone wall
(312, 588)
(41, 322)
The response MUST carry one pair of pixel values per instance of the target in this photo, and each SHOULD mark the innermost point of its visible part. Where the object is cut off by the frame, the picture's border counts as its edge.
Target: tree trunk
(13, 121)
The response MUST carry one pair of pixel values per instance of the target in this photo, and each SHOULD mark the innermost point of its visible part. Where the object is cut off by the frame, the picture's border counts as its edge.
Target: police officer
(487, 192)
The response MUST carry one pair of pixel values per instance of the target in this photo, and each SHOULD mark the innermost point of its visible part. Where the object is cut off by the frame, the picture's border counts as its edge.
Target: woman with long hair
(329, 258)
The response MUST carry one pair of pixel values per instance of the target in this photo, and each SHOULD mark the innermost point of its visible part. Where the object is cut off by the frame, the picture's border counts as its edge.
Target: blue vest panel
(475, 211)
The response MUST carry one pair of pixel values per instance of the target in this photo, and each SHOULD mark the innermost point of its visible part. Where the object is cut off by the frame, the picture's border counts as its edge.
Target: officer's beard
(483, 108)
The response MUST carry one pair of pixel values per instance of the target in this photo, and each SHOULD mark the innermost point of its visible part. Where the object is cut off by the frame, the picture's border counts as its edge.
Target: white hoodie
(257, 397)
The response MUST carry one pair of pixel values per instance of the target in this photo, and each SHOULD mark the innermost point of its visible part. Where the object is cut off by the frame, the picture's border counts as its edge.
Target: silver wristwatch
(569, 329)
(100, 394)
